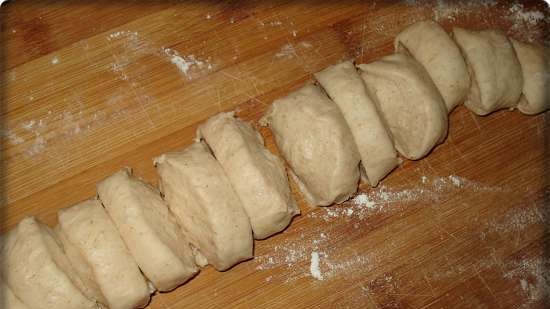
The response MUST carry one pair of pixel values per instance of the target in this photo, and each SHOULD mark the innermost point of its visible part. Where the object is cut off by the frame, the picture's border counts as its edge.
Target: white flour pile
(314, 266)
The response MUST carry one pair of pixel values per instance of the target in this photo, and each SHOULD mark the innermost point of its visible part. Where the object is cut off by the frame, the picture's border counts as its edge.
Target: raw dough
(82, 273)
(346, 88)
(430, 45)
(149, 230)
(37, 270)
(258, 176)
(317, 143)
(409, 102)
(8, 300)
(200, 195)
(494, 70)
(535, 66)
(88, 228)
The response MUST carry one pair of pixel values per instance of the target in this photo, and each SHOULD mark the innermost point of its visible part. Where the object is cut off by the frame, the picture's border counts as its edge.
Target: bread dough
(494, 70)
(313, 136)
(148, 229)
(200, 195)
(8, 300)
(88, 228)
(409, 102)
(535, 66)
(346, 88)
(258, 176)
(37, 270)
(430, 45)
(82, 273)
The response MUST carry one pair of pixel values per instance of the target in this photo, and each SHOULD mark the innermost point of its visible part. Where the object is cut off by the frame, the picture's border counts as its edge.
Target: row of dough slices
(115, 250)
(227, 188)
(400, 102)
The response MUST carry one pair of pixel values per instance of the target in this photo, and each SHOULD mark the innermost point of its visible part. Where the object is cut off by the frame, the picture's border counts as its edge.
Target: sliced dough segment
(535, 66)
(148, 229)
(257, 175)
(200, 195)
(317, 143)
(430, 45)
(88, 228)
(8, 300)
(37, 270)
(494, 70)
(409, 102)
(346, 88)
(82, 274)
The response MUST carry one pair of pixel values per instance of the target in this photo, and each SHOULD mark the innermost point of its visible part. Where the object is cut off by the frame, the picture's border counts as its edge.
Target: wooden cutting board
(91, 87)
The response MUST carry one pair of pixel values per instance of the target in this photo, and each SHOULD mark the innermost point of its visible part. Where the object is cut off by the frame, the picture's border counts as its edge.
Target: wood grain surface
(90, 87)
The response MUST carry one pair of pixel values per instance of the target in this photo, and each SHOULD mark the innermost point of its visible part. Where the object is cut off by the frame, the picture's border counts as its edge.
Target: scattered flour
(518, 14)
(515, 220)
(378, 200)
(314, 268)
(186, 63)
(55, 60)
(27, 125)
(533, 275)
(526, 24)
(37, 147)
(450, 10)
(286, 51)
(121, 34)
(305, 44)
(12, 137)
(133, 45)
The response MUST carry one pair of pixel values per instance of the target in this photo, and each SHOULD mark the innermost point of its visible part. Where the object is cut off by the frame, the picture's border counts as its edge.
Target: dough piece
(535, 66)
(317, 143)
(430, 45)
(200, 195)
(37, 270)
(8, 300)
(409, 102)
(148, 229)
(494, 70)
(258, 176)
(346, 88)
(82, 274)
(88, 228)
